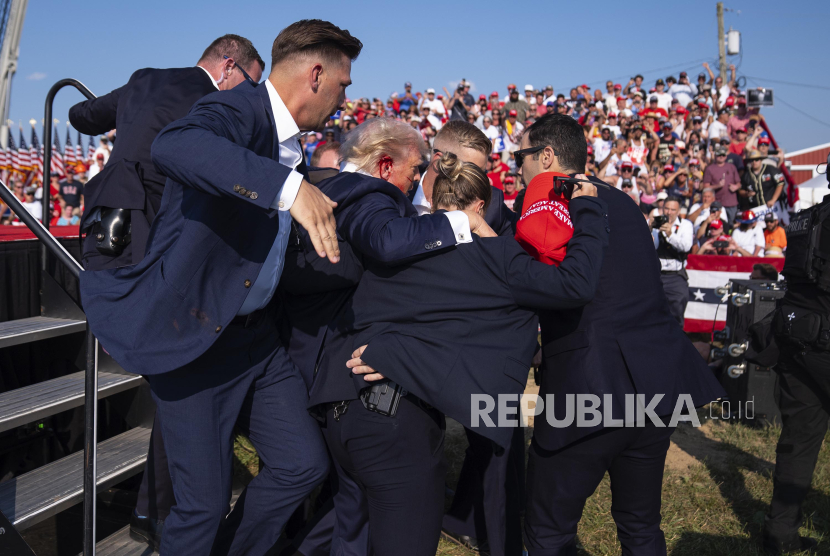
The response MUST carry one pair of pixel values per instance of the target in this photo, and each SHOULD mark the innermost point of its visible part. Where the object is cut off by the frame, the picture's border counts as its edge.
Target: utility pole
(721, 45)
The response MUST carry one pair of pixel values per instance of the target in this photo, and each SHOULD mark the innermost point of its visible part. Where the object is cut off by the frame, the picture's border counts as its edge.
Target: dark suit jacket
(500, 218)
(463, 322)
(208, 242)
(150, 100)
(625, 341)
(375, 221)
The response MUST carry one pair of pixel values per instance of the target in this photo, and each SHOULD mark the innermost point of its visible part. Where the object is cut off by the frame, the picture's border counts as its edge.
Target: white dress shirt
(290, 155)
(681, 238)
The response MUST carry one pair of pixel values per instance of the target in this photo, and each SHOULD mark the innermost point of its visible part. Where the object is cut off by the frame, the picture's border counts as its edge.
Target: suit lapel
(266, 103)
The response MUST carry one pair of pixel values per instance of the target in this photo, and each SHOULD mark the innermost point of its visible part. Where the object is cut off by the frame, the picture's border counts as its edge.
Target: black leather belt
(251, 319)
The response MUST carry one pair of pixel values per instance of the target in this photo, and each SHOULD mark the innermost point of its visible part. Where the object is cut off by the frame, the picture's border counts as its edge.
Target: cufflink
(461, 236)
(282, 205)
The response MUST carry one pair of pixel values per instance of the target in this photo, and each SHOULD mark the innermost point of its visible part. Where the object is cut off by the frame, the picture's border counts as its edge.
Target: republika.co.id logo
(581, 410)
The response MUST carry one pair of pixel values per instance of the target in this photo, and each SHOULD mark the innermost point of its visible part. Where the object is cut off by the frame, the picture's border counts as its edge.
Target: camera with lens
(659, 221)
(720, 244)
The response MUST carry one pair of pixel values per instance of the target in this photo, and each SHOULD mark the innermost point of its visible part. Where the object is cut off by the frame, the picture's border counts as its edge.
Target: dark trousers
(676, 287)
(245, 378)
(489, 496)
(559, 482)
(155, 495)
(390, 474)
(805, 406)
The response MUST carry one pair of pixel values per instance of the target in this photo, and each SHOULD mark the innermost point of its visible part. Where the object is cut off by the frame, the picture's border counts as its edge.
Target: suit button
(237, 187)
(247, 283)
(243, 191)
(438, 243)
(218, 329)
(253, 195)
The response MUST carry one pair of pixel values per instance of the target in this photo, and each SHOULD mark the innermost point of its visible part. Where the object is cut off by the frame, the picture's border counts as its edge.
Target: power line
(651, 71)
(789, 83)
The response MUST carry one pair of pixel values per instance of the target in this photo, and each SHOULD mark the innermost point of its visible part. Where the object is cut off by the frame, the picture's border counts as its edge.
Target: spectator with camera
(673, 239)
(715, 242)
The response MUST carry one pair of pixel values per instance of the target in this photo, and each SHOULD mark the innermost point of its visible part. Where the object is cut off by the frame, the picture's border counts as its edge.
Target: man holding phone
(673, 240)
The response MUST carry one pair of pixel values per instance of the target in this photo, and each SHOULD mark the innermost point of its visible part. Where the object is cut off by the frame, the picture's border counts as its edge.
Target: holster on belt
(113, 232)
(802, 327)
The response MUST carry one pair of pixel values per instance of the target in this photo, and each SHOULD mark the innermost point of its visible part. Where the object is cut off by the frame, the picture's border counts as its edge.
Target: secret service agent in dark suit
(140, 109)
(623, 342)
(486, 507)
(213, 261)
(150, 100)
(445, 337)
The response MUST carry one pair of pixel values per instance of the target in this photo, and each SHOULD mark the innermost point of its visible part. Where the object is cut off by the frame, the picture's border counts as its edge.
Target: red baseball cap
(681, 110)
(512, 113)
(494, 94)
(511, 86)
(729, 101)
(482, 97)
(716, 225)
(747, 217)
(626, 164)
(764, 141)
(612, 115)
(694, 162)
(509, 179)
(621, 97)
(618, 86)
(590, 149)
(495, 156)
(668, 168)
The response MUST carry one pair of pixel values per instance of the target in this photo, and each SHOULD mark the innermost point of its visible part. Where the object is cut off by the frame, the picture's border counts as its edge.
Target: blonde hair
(366, 144)
(459, 184)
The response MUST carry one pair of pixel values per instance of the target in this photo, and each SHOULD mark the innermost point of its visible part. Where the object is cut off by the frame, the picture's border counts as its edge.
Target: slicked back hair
(466, 135)
(565, 136)
(314, 36)
(239, 48)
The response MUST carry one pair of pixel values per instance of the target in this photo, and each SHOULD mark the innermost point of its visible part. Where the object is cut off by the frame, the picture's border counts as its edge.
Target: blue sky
(434, 44)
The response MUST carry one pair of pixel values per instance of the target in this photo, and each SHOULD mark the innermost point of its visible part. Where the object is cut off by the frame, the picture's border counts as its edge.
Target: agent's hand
(313, 210)
(358, 367)
(585, 188)
(478, 226)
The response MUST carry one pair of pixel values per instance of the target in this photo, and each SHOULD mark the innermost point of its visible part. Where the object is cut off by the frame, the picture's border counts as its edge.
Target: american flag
(56, 166)
(11, 150)
(90, 152)
(23, 155)
(69, 150)
(35, 152)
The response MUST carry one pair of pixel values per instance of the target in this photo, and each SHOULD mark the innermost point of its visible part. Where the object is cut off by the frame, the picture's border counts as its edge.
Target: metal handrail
(41, 230)
(42, 233)
(90, 378)
(47, 138)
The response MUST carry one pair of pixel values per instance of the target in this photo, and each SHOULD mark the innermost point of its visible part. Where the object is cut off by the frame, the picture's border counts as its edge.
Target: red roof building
(803, 163)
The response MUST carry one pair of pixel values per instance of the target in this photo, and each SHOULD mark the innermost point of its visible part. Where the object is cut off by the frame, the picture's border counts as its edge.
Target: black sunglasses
(521, 154)
(244, 73)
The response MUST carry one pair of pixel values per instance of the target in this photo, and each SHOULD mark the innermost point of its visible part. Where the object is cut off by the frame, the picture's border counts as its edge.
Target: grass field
(716, 489)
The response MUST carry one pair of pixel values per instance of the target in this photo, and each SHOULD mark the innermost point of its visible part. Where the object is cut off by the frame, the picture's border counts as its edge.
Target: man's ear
(547, 157)
(316, 77)
(385, 166)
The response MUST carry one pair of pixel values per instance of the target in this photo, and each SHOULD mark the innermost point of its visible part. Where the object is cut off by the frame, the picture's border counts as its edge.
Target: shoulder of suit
(497, 194)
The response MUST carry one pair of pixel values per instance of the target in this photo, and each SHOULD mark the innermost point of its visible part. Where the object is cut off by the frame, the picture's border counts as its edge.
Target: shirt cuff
(289, 191)
(460, 226)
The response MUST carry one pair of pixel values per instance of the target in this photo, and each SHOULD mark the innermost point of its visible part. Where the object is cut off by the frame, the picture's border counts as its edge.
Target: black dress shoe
(778, 548)
(146, 530)
(470, 543)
